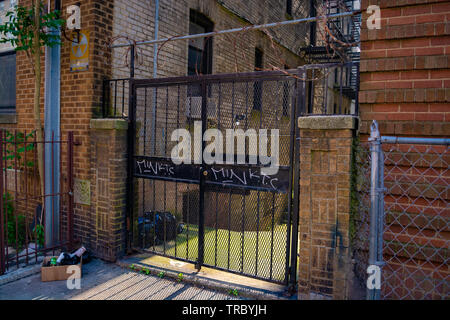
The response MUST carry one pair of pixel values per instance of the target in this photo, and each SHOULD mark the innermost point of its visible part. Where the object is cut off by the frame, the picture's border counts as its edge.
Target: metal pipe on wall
(52, 122)
(155, 74)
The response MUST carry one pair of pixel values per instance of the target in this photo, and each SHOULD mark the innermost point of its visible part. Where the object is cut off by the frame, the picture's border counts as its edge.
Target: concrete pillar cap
(331, 122)
(109, 124)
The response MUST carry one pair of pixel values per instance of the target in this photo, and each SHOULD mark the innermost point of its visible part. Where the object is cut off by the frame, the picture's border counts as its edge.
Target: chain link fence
(403, 217)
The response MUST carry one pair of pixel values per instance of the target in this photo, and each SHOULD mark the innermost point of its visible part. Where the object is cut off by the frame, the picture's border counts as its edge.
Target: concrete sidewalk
(107, 281)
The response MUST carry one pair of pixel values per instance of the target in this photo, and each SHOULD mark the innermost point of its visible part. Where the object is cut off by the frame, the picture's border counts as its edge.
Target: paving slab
(108, 281)
(215, 279)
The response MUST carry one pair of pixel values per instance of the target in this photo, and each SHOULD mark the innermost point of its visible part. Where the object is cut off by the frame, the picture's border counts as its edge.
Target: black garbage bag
(158, 226)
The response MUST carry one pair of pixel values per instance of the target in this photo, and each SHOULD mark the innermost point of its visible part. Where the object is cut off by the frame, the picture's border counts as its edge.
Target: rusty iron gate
(27, 232)
(225, 215)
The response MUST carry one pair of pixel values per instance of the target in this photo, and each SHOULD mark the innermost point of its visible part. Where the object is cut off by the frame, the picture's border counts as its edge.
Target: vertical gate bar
(176, 183)
(61, 195)
(187, 220)
(258, 199)
(2, 233)
(243, 232)
(144, 244)
(216, 226)
(52, 197)
(299, 106)
(35, 163)
(201, 216)
(115, 98)
(165, 182)
(291, 175)
(271, 236)
(217, 193)
(42, 193)
(229, 229)
(257, 232)
(131, 137)
(4, 154)
(70, 182)
(26, 194)
(123, 96)
(153, 141)
(16, 200)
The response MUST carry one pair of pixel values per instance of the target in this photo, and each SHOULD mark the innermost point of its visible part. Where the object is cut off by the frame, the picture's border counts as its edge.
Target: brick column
(325, 166)
(109, 172)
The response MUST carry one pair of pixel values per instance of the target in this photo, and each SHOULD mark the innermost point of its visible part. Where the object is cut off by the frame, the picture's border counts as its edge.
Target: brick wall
(405, 68)
(405, 86)
(324, 217)
(81, 92)
(80, 98)
(135, 20)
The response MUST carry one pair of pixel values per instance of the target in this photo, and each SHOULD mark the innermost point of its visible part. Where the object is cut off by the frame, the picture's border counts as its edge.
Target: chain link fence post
(376, 215)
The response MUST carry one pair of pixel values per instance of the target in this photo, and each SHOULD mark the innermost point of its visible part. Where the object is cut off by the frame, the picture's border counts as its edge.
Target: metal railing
(28, 230)
(327, 93)
(403, 240)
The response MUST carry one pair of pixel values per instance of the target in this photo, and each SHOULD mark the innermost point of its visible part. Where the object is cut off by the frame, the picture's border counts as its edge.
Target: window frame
(11, 109)
(203, 21)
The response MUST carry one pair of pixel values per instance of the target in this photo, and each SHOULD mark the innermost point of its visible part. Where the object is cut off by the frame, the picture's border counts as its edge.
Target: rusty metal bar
(237, 30)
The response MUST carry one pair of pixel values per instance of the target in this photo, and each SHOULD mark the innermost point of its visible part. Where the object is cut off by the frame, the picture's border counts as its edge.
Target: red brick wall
(405, 68)
(81, 94)
(405, 86)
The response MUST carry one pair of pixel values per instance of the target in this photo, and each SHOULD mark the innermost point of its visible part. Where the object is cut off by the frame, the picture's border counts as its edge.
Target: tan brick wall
(135, 20)
(109, 173)
(325, 165)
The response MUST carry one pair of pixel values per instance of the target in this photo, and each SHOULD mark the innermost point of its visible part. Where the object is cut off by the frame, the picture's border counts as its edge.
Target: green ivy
(233, 292)
(39, 231)
(16, 228)
(17, 144)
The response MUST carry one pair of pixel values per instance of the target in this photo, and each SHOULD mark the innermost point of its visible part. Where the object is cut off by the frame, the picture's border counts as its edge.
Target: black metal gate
(228, 214)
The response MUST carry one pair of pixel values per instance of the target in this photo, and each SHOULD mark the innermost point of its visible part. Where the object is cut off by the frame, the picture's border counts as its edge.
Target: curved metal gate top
(232, 212)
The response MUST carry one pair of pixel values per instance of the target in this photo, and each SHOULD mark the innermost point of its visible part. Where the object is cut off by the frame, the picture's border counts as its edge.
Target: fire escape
(340, 43)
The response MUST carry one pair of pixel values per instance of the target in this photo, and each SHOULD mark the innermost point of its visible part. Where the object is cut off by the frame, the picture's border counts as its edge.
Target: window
(8, 82)
(257, 86)
(289, 7)
(200, 49)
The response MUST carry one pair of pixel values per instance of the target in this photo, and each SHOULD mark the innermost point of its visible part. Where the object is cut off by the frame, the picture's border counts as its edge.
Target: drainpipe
(52, 131)
(155, 75)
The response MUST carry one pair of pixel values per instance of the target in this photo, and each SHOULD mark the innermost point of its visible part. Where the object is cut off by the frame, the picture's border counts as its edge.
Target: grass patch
(261, 252)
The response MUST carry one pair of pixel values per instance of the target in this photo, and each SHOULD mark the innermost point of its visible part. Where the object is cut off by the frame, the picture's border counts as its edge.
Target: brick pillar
(109, 172)
(325, 166)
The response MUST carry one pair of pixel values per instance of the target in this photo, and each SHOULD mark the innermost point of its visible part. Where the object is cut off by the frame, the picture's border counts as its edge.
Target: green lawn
(185, 249)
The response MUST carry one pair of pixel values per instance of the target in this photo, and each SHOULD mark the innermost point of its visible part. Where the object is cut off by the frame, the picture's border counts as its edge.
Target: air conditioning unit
(194, 108)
